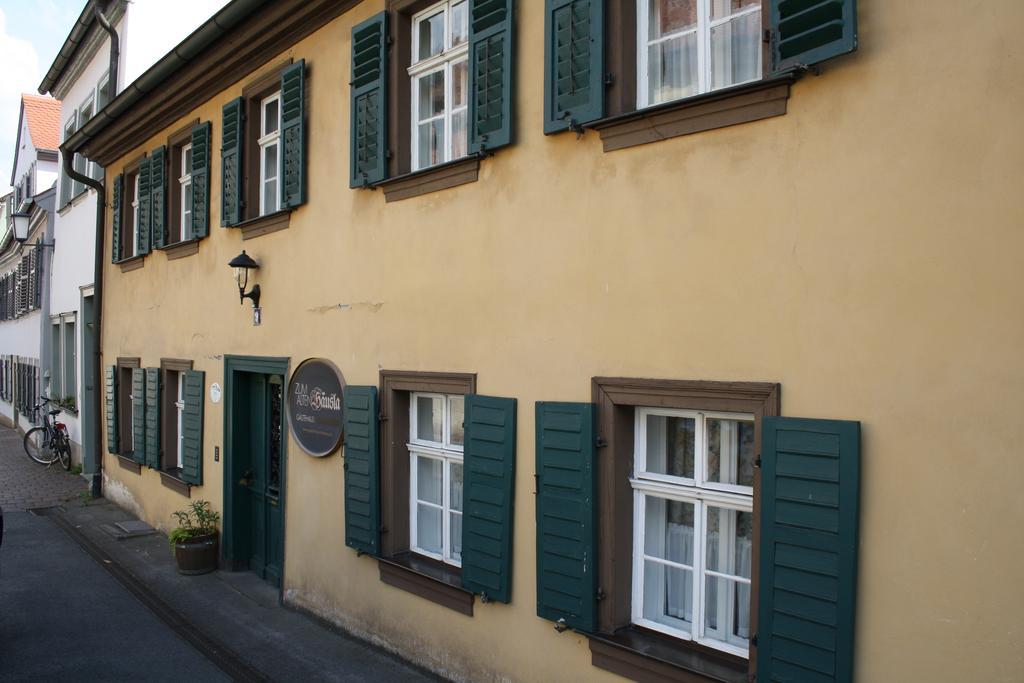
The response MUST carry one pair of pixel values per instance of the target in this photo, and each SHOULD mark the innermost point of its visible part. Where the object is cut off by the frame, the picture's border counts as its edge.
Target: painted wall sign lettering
(315, 410)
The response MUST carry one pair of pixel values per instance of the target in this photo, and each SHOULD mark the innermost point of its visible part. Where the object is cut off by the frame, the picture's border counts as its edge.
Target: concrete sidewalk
(235, 615)
(77, 603)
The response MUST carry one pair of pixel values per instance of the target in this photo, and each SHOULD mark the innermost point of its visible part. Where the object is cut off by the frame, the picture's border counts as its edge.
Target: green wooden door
(258, 447)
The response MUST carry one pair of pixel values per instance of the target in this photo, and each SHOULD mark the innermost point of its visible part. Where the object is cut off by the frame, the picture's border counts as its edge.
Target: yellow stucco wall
(865, 250)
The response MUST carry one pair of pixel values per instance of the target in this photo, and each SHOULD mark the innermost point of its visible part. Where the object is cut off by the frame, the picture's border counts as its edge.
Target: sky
(31, 34)
(33, 31)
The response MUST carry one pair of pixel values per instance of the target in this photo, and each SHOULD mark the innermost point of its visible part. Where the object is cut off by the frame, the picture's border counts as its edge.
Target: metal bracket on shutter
(484, 598)
(561, 626)
(601, 442)
(601, 595)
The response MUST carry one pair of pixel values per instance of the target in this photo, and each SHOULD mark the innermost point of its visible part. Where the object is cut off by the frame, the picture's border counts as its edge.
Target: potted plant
(195, 539)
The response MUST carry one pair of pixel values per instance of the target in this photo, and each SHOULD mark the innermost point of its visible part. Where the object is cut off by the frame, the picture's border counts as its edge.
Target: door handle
(246, 479)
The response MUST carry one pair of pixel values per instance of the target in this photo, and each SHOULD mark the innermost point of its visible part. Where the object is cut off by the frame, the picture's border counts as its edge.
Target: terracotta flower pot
(197, 555)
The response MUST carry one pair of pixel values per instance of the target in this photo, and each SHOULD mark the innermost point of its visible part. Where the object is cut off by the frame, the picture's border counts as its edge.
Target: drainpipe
(97, 278)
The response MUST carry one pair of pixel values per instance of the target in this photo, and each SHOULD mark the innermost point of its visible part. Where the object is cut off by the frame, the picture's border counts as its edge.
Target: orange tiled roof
(43, 117)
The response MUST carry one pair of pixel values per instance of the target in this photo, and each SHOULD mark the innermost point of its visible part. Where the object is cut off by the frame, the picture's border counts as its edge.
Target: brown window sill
(651, 657)
(433, 179)
(272, 222)
(128, 464)
(132, 263)
(728, 107)
(429, 580)
(181, 249)
(171, 480)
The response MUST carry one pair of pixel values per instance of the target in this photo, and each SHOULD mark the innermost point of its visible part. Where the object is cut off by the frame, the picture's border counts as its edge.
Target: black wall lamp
(21, 223)
(242, 264)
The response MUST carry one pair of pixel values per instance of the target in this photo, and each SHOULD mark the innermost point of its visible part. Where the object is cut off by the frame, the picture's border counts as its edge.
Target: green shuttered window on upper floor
(200, 178)
(574, 56)
(232, 142)
(491, 70)
(158, 197)
(369, 111)
(145, 208)
(807, 32)
(293, 135)
(116, 219)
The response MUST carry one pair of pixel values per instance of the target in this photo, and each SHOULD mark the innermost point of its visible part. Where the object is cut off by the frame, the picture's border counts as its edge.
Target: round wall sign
(215, 393)
(315, 411)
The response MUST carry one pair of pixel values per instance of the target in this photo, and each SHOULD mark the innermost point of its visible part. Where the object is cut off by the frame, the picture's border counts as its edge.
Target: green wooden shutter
(232, 143)
(110, 389)
(200, 227)
(293, 135)
(139, 415)
(488, 494)
(145, 208)
(810, 487)
(369, 102)
(574, 63)
(152, 440)
(806, 32)
(362, 470)
(158, 196)
(115, 221)
(566, 515)
(192, 427)
(491, 64)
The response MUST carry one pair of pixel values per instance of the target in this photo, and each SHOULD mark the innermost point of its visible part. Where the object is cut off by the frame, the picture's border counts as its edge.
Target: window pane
(186, 209)
(730, 451)
(668, 595)
(428, 528)
(429, 480)
(724, 8)
(458, 416)
(431, 36)
(736, 51)
(431, 89)
(460, 83)
(70, 380)
(727, 611)
(460, 135)
(431, 149)
(671, 445)
(270, 161)
(428, 418)
(460, 24)
(455, 533)
(730, 540)
(671, 16)
(668, 530)
(186, 161)
(270, 116)
(455, 495)
(672, 69)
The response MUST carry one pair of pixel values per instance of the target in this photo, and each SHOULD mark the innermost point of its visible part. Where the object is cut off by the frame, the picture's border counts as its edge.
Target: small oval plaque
(315, 412)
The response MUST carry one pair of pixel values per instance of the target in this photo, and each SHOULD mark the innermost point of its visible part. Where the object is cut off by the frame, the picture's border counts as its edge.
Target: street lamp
(21, 224)
(242, 264)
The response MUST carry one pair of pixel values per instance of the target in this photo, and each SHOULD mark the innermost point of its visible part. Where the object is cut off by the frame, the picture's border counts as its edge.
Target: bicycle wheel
(38, 446)
(64, 452)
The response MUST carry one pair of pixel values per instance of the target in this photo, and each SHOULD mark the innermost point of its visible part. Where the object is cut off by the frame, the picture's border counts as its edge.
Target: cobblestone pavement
(25, 484)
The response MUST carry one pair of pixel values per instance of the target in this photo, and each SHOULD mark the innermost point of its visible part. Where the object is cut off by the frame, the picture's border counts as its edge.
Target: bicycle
(48, 443)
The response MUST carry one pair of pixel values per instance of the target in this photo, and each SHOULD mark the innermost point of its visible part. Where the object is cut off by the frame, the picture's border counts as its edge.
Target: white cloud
(19, 74)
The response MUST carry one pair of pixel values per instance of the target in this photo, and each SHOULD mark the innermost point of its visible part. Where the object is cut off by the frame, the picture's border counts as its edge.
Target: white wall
(153, 31)
(24, 156)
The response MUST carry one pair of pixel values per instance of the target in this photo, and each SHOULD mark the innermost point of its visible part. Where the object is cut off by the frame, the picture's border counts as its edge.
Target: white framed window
(435, 476)
(693, 521)
(66, 183)
(185, 192)
(103, 92)
(133, 236)
(689, 47)
(179, 413)
(85, 113)
(270, 153)
(440, 79)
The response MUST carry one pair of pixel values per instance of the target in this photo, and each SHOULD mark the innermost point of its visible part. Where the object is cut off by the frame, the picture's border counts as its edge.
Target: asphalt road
(64, 618)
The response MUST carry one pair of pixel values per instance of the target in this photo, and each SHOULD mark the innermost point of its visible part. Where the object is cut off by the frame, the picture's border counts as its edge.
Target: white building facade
(80, 78)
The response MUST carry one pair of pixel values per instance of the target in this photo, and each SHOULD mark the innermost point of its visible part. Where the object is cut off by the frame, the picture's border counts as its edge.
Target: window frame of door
(267, 365)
